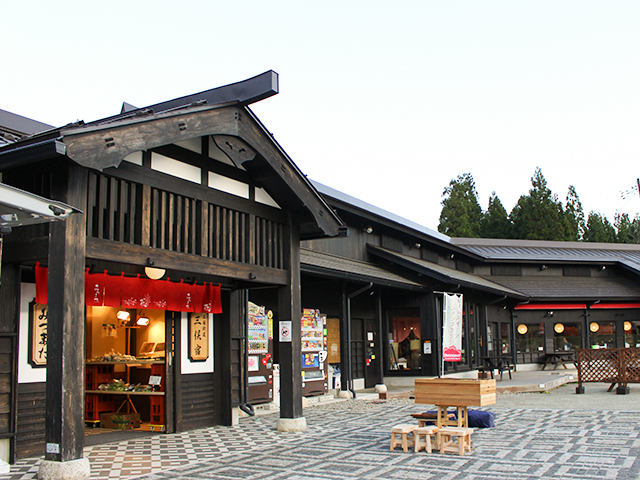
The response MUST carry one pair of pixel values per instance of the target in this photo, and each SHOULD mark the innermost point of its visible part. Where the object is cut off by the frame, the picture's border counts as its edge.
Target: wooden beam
(105, 146)
(181, 262)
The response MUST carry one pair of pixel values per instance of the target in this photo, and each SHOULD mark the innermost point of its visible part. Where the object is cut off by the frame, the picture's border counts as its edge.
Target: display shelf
(114, 392)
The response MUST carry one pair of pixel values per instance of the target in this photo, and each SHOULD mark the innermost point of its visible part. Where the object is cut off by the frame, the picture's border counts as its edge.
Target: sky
(384, 101)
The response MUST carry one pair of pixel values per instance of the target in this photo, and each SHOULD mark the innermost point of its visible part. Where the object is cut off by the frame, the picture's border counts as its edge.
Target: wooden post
(64, 421)
(289, 310)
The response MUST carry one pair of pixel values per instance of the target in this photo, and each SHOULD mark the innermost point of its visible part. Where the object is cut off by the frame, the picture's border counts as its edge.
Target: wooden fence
(608, 365)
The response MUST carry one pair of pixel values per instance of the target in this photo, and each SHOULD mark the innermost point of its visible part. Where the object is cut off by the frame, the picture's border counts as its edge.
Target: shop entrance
(126, 369)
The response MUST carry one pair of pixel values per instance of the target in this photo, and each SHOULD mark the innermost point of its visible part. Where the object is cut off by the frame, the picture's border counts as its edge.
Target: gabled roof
(443, 274)
(103, 144)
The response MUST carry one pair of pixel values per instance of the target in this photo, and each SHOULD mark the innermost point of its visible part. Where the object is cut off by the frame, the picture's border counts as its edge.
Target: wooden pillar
(64, 420)
(289, 309)
(224, 355)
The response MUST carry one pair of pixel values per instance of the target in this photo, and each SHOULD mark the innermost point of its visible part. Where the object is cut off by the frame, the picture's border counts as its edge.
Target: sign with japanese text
(198, 337)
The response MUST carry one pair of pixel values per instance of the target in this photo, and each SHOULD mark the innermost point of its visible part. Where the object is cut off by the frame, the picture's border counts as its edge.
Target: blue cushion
(481, 419)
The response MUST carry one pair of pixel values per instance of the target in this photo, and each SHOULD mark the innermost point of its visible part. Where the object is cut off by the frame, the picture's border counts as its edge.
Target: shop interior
(125, 369)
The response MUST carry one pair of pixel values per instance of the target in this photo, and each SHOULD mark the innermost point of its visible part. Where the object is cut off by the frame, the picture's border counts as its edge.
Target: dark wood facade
(497, 278)
(141, 212)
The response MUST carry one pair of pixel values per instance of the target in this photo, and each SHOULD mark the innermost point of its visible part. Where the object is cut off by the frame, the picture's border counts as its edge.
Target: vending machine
(259, 353)
(314, 352)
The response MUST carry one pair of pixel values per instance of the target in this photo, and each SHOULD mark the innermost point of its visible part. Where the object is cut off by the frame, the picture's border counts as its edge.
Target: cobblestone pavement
(351, 439)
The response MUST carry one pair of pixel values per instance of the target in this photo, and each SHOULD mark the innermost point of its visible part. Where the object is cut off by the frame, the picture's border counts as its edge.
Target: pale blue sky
(384, 101)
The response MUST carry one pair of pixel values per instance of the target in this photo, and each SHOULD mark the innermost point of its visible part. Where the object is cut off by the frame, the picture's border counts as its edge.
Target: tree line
(539, 215)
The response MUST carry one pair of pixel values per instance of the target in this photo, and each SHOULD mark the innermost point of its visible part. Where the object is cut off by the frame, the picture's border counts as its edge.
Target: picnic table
(500, 363)
(559, 358)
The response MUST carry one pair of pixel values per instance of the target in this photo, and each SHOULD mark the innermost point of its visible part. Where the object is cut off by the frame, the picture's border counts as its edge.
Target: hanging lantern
(558, 327)
(522, 329)
(627, 326)
(594, 327)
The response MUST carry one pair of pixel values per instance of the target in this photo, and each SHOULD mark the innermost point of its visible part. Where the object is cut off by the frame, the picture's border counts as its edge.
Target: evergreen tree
(461, 212)
(495, 222)
(575, 215)
(599, 229)
(627, 231)
(539, 215)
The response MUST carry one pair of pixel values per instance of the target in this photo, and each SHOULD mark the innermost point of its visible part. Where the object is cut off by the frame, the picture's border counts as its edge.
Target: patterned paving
(351, 440)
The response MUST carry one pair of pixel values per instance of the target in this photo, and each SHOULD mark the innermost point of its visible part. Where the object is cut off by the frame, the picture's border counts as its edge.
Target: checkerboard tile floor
(350, 440)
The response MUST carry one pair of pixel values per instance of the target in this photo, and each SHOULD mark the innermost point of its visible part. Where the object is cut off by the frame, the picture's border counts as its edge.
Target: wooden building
(196, 188)
(523, 300)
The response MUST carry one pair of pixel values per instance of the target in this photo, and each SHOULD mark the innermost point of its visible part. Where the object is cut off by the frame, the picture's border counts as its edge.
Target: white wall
(26, 373)
(187, 366)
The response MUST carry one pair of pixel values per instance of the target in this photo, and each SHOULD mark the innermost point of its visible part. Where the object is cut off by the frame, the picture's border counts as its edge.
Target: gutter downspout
(349, 366)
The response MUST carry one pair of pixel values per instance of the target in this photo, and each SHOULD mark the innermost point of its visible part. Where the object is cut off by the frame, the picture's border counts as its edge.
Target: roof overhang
(18, 208)
(334, 267)
(443, 274)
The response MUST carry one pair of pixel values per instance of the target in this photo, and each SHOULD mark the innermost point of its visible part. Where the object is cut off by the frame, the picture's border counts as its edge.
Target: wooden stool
(455, 439)
(425, 432)
(403, 430)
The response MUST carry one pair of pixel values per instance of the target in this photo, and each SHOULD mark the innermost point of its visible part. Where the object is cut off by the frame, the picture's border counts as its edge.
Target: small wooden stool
(454, 439)
(403, 430)
(425, 432)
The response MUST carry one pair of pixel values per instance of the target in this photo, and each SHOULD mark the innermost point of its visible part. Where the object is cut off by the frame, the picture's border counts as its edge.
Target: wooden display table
(455, 392)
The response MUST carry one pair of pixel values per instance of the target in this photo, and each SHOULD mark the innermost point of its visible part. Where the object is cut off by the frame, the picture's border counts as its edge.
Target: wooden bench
(454, 439)
(403, 430)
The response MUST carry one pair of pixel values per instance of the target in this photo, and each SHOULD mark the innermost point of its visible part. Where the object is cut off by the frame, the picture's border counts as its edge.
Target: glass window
(530, 337)
(632, 334)
(567, 336)
(505, 338)
(602, 334)
(404, 344)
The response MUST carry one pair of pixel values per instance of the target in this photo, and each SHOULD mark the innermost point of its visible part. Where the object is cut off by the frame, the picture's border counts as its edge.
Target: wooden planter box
(455, 392)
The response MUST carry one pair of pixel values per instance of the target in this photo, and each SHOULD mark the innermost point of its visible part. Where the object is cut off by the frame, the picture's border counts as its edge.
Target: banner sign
(452, 328)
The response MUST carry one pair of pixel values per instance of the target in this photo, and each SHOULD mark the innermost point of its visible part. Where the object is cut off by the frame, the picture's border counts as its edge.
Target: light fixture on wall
(558, 328)
(143, 320)
(123, 315)
(549, 313)
(543, 267)
(152, 272)
(594, 326)
(522, 329)
(368, 229)
(627, 326)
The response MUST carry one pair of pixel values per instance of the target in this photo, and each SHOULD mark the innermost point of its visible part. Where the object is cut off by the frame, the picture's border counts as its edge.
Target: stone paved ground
(536, 436)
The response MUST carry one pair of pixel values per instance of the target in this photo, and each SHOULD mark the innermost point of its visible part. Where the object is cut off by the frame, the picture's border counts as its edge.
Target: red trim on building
(552, 306)
(614, 305)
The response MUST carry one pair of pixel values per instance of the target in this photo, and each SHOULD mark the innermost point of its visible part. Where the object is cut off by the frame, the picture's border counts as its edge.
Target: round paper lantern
(594, 326)
(627, 326)
(522, 329)
(558, 327)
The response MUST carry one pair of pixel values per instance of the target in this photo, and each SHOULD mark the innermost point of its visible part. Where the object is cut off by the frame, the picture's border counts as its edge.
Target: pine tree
(627, 231)
(495, 222)
(599, 229)
(575, 215)
(461, 212)
(539, 215)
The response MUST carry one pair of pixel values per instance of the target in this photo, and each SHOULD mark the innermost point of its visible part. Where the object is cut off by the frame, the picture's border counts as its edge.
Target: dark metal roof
(560, 252)
(546, 288)
(334, 266)
(444, 274)
(379, 212)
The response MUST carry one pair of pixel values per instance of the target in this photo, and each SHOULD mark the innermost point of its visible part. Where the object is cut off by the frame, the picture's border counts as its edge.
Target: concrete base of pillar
(345, 394)
(381, 388)
(292, 424)
(79, 469)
